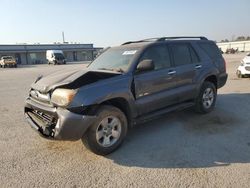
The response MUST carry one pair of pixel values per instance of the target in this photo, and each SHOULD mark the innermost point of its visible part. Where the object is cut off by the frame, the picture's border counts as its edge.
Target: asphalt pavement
(181, 149)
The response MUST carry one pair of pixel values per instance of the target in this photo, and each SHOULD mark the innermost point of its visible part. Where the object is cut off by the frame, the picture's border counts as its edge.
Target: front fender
(105, 90)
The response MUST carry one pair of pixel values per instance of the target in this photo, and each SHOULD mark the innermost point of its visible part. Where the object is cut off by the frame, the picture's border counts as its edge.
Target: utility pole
(63, 37)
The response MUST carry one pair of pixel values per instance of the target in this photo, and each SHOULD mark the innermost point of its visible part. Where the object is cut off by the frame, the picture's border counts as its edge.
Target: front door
(155, 89)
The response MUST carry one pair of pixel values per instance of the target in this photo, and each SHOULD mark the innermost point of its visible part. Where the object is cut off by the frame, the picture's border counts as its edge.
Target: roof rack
(182, 37)
(144, 40)
(165, 38)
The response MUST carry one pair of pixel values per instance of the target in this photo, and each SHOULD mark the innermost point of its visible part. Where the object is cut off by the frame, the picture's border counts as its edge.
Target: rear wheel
(205, 102)
(106, 134)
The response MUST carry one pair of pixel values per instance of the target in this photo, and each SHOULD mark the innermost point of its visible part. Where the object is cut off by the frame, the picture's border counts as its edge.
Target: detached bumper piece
(56, 123)
(37, 121)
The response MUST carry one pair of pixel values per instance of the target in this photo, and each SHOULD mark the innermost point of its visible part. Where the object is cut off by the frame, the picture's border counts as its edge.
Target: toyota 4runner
(124, 86)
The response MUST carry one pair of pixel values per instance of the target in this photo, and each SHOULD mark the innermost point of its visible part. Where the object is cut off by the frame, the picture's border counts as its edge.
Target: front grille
(247, 68)
(44, 119)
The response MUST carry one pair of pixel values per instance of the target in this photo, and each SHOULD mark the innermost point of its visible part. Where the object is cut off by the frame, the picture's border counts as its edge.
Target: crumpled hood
(66, 77)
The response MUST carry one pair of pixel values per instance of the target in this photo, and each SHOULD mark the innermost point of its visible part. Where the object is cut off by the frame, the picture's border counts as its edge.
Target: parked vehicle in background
(55, 57)
(8, 61)
(124, 86)
(244, 67)
(232, 51)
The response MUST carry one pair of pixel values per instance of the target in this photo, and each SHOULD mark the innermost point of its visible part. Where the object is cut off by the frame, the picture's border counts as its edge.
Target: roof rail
(165, 38)
(144, 40)
(182, 37)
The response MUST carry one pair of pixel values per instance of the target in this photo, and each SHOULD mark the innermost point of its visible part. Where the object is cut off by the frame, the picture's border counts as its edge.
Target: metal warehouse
(36, 53)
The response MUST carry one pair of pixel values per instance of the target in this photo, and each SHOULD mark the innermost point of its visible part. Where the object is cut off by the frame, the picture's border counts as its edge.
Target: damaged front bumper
(56, 123)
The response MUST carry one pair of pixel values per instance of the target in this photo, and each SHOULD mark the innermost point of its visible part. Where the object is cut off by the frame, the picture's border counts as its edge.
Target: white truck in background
(55, 57)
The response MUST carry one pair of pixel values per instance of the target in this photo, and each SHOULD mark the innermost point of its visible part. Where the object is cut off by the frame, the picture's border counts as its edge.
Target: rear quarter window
(211, 49)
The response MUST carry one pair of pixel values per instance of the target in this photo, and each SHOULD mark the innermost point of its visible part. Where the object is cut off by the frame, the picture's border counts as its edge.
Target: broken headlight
(62, 97)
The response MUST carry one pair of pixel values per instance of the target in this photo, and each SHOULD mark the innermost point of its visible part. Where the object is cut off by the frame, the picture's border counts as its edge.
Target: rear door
(155, 89)
(187, 65)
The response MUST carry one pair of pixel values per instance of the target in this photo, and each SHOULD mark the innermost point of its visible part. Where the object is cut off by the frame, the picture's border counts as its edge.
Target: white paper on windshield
(131, 52)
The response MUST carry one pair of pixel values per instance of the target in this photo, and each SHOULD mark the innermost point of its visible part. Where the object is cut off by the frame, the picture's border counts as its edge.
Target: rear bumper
(8, 64)
(222, 79)
(61, 124)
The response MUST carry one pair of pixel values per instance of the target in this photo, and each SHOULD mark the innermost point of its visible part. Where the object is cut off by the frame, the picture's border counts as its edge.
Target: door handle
(171, 72)
(198, 66)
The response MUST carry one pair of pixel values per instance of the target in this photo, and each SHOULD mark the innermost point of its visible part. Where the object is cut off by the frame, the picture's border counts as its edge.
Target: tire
(239, 75)
(206, 99)
(102, 138)
(4, 66)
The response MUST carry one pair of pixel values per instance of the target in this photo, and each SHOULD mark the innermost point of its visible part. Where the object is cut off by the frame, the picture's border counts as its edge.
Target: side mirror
(145, 65)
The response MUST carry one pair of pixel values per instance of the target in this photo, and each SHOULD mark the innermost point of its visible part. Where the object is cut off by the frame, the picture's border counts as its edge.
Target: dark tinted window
(181, 54)
(59, 56)
(195, 58)
(211, 49)
(159, 55)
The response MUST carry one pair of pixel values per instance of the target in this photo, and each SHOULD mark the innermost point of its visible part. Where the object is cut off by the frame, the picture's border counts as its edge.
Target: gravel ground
(182, 149)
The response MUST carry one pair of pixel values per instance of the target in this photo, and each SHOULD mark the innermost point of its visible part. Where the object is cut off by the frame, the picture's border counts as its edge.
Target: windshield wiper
(116, 70)
(119, 70)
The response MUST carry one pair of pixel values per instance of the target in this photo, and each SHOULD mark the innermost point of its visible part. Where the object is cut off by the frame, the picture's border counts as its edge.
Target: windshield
(7, 57)
(59, 56)
(114, 60)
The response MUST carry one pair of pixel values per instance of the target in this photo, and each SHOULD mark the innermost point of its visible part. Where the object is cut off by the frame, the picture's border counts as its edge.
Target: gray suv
(124, 86)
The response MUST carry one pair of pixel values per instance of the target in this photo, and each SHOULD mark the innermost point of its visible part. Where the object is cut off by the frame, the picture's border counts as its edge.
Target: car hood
(70, 79)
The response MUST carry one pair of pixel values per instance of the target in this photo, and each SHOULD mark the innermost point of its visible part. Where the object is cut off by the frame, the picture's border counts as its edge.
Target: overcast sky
(111, 22)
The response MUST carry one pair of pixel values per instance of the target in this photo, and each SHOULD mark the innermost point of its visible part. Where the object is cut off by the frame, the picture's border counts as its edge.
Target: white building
(242, 46)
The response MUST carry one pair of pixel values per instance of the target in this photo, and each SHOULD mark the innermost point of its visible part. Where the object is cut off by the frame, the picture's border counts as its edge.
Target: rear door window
(194, 56)
(181, 54)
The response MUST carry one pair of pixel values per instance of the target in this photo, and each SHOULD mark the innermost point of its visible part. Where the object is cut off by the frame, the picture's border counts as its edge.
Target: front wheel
(205, 102)
(106, 134)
